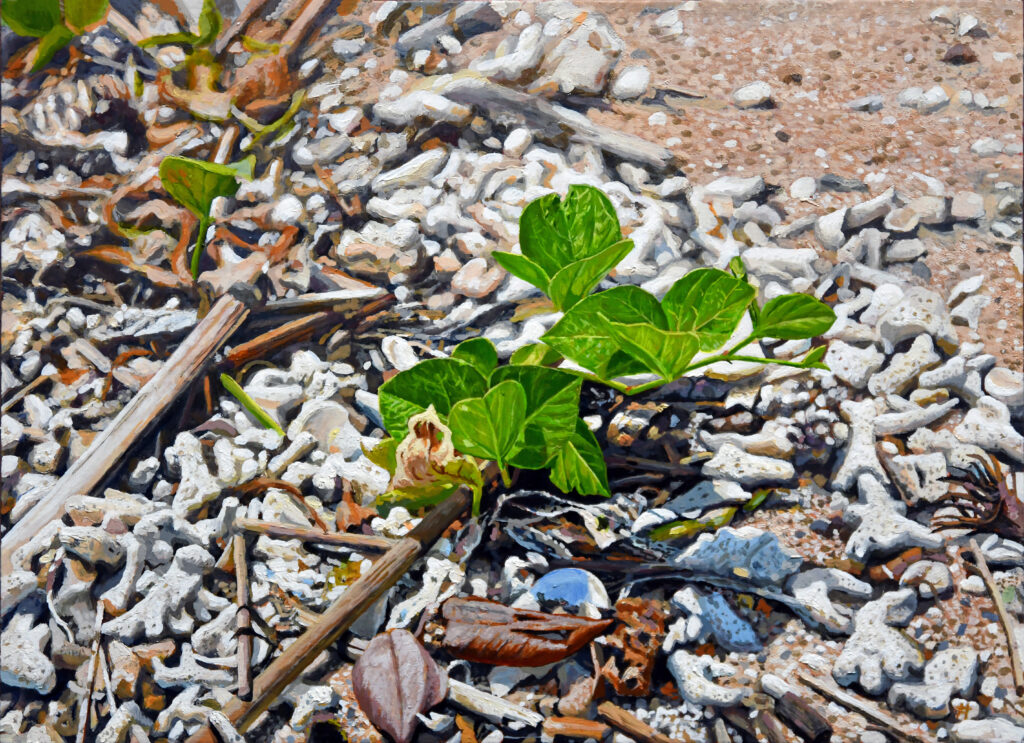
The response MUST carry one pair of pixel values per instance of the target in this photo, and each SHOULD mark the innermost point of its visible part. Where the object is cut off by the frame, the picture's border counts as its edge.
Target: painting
(538, 370)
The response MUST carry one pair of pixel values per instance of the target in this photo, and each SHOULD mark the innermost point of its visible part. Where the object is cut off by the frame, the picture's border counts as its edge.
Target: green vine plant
(53, 22)
(525, 414)
(196, 183)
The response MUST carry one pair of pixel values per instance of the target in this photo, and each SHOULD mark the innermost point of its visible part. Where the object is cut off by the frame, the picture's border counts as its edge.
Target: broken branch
(304, 534)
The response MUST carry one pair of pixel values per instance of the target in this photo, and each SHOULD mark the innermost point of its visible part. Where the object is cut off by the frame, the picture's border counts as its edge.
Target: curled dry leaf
(634, 645)
(396, 679)
(488, 632)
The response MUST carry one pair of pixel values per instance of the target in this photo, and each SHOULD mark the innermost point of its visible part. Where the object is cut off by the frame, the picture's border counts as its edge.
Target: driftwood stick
(303, 328)
(575, 727)
(863, 707)
(687, 466)
(109, 448)
(243, 622)
(626, 722)
(305, 534)
(771, 727)
(94, 662)
(312, 14)
(359, 596)
(803, 718)
(1009, 625)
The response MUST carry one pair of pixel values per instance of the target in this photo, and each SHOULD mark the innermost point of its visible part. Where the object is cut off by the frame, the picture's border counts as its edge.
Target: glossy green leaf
(81, 14)
(478, 353)
(490, 427)
(579, 465)
(535, 354)
(578, 279)
(52, 42)
(666, 353)
(709, 303)
(254, 408)
(196, 183)
(813, 359)
(552, 406)
(794, 317)
(437, 382)
(554, 232)
(581, 335)
(30, 17)
(524, 268)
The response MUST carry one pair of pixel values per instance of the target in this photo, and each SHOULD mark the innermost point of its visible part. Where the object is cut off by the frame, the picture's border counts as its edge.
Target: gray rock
(803, 188)
(1006, 386)
(927, 701)
(753, 95)
(987, 147)
(871, 210)
(924, 101)
(902, 221)
(987, 731)
(877, 653)
(833, 182)
(748, 552)
(904, 368)
(867, 103)
(902, 251)
(967, 206)
(853, 365)
(732, 463)
(919, 311)
(416, 172)
(582, 60)
(931, 578)
(695, 674)
(631, 83)
(737, 189)
(969, 311)
(988, 425)
(931, 210)
(711, 617)
(470, 18)
(829, 229)
(517, 142)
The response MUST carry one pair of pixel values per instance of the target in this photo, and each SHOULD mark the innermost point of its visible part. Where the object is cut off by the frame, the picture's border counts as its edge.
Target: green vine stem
(197, 252)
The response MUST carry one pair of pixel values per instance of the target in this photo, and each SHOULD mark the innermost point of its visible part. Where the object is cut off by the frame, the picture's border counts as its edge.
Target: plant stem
(741, 344)
(204, 226)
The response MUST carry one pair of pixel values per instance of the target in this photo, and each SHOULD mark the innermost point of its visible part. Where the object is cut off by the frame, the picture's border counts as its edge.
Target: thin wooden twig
(305, 534)
(356, 599)
(628, 723)
(243, 622)
(863, 707)
(1009, 625)
(687, 466)
(17, 396)
(575, 727)
(86, 705)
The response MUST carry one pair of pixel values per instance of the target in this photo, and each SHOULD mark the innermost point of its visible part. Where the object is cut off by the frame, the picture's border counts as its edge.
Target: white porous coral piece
(877, 653)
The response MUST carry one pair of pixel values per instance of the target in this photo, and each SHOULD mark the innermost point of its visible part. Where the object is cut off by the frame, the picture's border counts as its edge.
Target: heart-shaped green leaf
(813, 359)
(579, 465)
(81, 14)
(437, 382)
(196, 183)
(709, 303)
(555, 232)
(30, 17)
(794, 317)
(578, 279)
(666, 353)
(581, 335)
(524, 268)
(52, 42)
(552, 406)
(490, 427)
(478, 353)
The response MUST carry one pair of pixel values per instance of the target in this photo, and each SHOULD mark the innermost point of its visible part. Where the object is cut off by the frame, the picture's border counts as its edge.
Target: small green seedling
(249, 404)
(53, 22)
(526, 414)
(196, 183)
(568, 245)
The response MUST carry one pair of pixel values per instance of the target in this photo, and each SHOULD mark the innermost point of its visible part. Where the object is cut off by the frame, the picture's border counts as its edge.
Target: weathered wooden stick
(771, 727)
(243, 622)
(359, 597)
(489, 706)
(304, 327)
(808, 723)
(575, 727)
(109, 448)
(1009, 625)
(305, 534)
(312, 13)
(866, 709)
(628, 723)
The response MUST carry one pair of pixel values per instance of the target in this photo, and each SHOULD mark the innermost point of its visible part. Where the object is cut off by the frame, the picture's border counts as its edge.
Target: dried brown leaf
(396, 679)
(489, 632)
